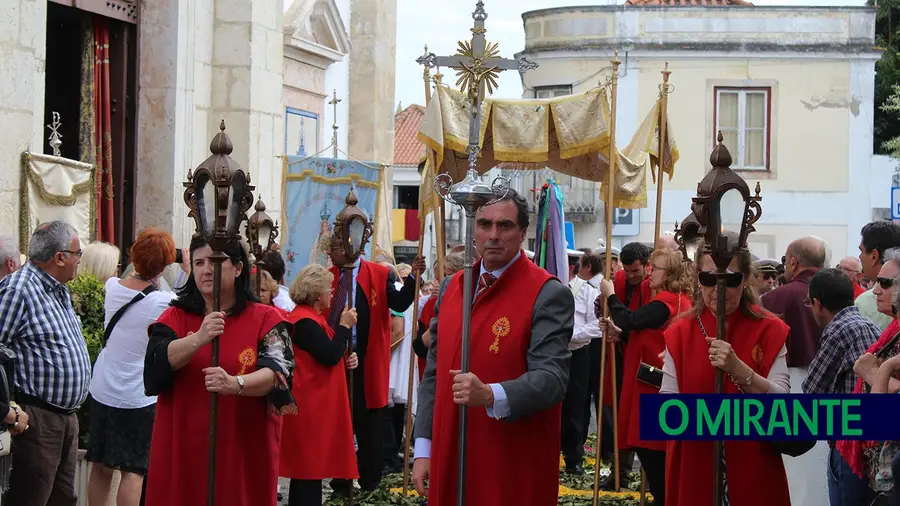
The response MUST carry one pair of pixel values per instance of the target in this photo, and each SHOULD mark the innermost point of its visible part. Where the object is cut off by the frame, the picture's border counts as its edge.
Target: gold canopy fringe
(568, 134)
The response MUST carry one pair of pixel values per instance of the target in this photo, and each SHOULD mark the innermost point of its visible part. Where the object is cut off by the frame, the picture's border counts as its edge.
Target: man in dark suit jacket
(534, 315)
(372, 284)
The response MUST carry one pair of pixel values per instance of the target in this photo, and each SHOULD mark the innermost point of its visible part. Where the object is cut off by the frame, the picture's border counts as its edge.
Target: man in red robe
(522, 321)
(633, 289)
(374, 294)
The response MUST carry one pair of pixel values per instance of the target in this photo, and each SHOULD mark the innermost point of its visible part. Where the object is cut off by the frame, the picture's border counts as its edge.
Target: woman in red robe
(672, 283)
(317, 440)
(253, 382)
(753, 357)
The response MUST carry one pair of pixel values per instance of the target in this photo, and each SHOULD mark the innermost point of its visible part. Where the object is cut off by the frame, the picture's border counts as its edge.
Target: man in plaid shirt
(846, 335)
(53, 369)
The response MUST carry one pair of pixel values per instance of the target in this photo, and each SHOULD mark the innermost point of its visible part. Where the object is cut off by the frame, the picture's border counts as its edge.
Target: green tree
(887, 73)
(891, 107)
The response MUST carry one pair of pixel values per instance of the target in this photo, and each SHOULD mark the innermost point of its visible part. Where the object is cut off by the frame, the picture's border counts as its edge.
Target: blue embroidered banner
(314, 193)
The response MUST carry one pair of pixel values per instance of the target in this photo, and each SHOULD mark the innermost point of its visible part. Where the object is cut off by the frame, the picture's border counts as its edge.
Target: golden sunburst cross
(477, 66)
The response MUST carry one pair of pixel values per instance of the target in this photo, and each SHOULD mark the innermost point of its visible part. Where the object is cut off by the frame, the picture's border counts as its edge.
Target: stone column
(23, 27)
(164, 123)
(373, 61)
(247, 89)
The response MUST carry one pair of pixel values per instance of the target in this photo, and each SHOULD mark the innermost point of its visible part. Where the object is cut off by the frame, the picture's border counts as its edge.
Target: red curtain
(103, 133)
(412, 225)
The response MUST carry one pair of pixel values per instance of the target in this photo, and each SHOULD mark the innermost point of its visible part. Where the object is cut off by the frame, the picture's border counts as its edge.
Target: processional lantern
(218, 194)
(726, 212)
(261, 232)
(352, 228)
(724, 204)
(688, 236)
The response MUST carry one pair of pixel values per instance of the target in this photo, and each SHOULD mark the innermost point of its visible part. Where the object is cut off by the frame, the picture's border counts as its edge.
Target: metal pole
(464, 362)
(349, 272)
(217, 258)
(718, 445)
(663, 148)
(609, 209)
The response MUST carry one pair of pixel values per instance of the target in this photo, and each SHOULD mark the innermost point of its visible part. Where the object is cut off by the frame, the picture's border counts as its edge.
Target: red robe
(508, 462)
(755, 471)
(638, 299)
(425, 319)
(644, 346)
(249, 433)
(317, 441)
(372, 280)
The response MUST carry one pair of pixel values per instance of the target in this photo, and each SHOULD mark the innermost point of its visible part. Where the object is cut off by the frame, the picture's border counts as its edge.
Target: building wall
(821, 76)
(201, 62)
(22, 57)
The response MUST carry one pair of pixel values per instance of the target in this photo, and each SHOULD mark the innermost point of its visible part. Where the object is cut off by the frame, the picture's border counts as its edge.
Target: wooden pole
(217, 259)
(609, 209)
(663, 149)
(426, 76)
(643, 486)
(440, 231)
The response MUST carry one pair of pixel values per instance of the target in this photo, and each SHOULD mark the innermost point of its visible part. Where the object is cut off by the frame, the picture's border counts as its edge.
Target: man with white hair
(53, 369)
(9, 256)
(852, 267)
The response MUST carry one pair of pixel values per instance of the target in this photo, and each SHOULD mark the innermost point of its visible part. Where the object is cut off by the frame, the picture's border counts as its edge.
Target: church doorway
(91, 70)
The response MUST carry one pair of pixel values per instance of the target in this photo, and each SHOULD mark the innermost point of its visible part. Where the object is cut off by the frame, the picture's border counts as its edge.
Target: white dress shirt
(587, 325)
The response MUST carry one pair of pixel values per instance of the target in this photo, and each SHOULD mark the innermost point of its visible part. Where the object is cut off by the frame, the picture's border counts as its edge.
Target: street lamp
(261, 232)
(726, 212)
(218, 194)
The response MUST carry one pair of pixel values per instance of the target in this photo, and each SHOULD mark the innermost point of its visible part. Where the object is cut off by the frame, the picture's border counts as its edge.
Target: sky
(440, 24)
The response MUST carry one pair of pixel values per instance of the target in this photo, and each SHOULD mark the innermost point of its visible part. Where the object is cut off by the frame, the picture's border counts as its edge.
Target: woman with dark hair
(672, 284)
(753, 358)
(253, 381)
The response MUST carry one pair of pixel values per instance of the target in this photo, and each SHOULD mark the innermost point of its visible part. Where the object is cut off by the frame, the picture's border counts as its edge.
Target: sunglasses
(885, 283)
(770, 275)
(732, 279)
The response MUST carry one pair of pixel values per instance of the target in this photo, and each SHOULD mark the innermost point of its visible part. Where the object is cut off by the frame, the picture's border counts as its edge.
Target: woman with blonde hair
(267, 287)
(753, 358)
(317, 440)
(672, 284)
(101, 260)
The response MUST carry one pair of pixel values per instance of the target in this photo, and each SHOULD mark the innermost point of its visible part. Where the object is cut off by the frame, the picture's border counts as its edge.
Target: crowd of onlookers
(817, 328)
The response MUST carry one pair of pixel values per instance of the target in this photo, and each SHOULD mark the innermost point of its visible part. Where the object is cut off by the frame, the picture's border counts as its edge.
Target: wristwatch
(240, 382)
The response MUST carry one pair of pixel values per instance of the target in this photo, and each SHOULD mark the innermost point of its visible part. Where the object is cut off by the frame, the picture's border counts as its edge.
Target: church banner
(314, 192)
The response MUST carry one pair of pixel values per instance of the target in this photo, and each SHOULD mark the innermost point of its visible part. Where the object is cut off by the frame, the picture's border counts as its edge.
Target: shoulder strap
(116, 317)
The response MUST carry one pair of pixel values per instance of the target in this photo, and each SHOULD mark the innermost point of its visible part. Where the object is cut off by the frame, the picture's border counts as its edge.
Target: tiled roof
(408, 149)
(697, 3)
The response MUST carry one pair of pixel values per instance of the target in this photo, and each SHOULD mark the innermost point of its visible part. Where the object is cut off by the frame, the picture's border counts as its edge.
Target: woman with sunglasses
(863, 457)
(753, 358)
(672, 284)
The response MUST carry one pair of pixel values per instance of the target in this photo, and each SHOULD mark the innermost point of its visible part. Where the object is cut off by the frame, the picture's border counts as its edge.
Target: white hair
(8, 249)
(101, 260)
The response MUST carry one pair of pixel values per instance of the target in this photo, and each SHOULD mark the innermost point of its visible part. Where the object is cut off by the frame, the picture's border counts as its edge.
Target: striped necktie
(484, 282)
(339, 301)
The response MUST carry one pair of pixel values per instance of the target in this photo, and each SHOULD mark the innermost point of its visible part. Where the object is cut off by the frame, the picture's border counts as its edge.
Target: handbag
(116, 317)
(650, 375)
(5, 435)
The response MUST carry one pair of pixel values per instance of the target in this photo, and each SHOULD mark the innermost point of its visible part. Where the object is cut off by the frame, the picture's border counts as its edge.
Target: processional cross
(334, 127)
(478, 65)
